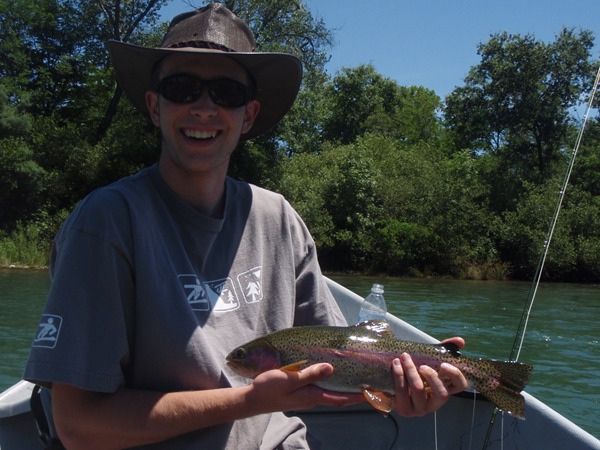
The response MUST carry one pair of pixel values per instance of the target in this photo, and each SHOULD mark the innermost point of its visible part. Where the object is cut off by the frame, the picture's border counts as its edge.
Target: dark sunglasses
(187, 89)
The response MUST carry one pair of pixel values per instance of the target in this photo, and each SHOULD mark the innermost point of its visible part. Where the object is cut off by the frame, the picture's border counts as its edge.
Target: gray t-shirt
(148, 293)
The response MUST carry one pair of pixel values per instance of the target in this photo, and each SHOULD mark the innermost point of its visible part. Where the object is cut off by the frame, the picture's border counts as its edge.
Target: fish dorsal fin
(451, 347)
(381, 327)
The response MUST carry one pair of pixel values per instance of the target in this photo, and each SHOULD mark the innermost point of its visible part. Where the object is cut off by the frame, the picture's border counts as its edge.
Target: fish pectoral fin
(294, 367)
(381, 401)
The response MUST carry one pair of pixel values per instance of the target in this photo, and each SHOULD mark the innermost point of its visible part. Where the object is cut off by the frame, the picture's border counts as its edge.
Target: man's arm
(133, 417)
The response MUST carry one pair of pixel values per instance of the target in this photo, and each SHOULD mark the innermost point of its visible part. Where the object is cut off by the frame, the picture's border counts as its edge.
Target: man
(157, 277)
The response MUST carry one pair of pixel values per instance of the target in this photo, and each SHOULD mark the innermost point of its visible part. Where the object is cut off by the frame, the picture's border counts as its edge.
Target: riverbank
(26, 247)
(29, 248)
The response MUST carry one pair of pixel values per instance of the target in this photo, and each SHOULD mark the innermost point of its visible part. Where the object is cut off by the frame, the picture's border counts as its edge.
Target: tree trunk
(111, 110)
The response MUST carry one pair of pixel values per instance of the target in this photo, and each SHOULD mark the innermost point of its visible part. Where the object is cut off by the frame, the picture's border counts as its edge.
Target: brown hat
(214, 27)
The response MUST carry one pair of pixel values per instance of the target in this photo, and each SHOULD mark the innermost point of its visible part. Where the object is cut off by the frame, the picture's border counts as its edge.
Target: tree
(586, 172)
(302, 130)
(122, 22)
(283, 26)
(21, 182)
(515, 102)
(55, 85)
(360, 100)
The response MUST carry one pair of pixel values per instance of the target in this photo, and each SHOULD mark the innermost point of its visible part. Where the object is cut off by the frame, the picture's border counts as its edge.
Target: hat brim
(277, 76)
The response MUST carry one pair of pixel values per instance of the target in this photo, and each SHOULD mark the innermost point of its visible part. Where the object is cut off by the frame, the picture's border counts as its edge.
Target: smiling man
(202, 107)
(155, 278)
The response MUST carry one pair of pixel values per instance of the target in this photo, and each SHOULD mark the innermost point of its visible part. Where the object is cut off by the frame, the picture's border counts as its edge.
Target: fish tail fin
(513, 374)
(504, 387)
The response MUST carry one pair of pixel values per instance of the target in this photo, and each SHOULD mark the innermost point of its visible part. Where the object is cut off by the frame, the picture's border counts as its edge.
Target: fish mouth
(242, 370)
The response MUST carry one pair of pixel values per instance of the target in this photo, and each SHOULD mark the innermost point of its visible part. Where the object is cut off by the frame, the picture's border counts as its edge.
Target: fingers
(422, 390)
(285, 390)
(411, 396)
(317, 372)
(453, 379)
(458, 341)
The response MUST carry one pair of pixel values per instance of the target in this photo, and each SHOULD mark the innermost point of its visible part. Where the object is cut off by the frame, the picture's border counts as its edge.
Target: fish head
(254, 358)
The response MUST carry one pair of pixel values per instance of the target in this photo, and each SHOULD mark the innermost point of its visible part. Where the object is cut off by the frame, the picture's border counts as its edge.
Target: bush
(26, 246)
(21, 182)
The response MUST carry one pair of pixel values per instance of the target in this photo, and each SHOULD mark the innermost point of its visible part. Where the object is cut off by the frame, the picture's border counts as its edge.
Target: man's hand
(421, 390)
(285, 390)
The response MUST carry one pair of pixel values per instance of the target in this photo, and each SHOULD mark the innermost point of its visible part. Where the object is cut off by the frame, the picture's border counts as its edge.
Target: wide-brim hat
(213, 30)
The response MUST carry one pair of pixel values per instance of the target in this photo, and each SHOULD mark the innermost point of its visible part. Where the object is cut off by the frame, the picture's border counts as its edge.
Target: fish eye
(240, 353)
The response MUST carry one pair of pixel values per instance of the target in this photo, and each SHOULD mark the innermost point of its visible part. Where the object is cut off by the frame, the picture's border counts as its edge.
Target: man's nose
(204, 105)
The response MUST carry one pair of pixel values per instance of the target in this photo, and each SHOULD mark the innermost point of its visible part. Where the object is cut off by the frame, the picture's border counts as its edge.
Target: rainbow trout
(362, 358)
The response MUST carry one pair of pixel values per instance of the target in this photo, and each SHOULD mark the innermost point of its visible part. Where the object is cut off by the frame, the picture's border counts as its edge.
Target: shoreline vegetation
(24, 248)
(27, 248)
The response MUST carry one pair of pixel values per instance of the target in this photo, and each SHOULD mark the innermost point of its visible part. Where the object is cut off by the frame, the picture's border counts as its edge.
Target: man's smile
(197, 134)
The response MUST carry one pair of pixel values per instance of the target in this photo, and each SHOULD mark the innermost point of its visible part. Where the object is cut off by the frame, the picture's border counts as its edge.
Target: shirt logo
(48, 331)
(221, 295)
(251, 285)
(217, 295)
(194, 292)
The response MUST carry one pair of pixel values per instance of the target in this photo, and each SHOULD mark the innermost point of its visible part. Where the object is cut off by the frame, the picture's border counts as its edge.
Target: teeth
(200, 134)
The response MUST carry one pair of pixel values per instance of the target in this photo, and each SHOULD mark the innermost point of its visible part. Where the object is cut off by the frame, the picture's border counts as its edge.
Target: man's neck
(203, 192)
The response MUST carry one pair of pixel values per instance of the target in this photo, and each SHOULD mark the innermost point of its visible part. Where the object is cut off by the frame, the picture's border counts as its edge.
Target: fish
(362, 358)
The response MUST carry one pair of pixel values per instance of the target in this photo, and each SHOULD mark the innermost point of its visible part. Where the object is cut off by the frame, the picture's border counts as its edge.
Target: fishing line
(522, 328)
(473, 419)
(435, 434)
(502, 433)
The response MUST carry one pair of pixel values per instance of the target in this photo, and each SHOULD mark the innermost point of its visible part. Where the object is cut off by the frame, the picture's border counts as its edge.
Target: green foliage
(521, 234)
(302, 129)
(386, 179)
(381, 206)
(304, 180)
(24, 247)
(515, 103)
(21, 182)
(285, 26)
(13, 121)
(361, 101)
(586, 173)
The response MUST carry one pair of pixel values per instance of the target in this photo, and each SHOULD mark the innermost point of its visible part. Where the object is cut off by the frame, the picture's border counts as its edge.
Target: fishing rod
(522, 328)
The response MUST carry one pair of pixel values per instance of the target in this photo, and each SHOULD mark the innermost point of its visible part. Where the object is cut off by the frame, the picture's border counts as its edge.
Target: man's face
(199, 137)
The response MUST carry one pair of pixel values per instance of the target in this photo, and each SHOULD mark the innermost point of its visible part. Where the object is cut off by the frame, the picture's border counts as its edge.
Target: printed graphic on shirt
(217, 295)
(222, 295)
(48, 331)
(195, 293)
(251, 285)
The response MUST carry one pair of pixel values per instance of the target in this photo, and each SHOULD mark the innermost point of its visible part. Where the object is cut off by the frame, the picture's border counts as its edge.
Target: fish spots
(362, 356)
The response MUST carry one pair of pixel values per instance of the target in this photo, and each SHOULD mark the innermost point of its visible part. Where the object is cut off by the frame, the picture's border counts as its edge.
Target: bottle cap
(377, 288)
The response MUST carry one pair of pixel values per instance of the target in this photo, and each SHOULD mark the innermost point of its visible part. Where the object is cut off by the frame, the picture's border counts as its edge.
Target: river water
(562, 341)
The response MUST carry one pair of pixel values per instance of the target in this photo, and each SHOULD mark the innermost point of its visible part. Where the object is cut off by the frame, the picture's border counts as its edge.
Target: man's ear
(252, 110)
(153, 109)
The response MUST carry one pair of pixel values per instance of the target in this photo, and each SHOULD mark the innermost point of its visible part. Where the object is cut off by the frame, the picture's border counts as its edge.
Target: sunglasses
(184, 89)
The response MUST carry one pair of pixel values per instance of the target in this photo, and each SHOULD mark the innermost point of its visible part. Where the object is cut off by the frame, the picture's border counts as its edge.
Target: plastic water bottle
(373, 306)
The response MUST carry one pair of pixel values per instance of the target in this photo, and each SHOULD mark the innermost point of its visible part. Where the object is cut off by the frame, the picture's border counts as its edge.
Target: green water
(22, 296)
(562, 342)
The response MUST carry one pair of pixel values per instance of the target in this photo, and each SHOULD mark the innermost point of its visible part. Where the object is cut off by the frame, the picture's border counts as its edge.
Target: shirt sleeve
(85, 332)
